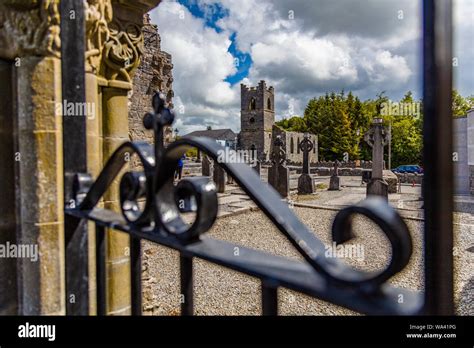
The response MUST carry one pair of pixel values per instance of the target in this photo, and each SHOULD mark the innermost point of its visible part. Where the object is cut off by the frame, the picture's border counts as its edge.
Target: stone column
(121, 55)
(376, 137)
(30, 44)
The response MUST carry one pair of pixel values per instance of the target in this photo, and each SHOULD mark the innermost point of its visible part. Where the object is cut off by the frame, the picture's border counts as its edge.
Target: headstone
(392, 181)
(219, 178)
(207, 166)
(230, 180)
(305, 181)
(334, 181)
(377, 137)
(198, 158)
(278, 173)
(258, 162)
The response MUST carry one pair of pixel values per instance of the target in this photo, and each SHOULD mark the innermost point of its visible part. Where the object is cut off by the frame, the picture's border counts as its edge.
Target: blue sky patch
(243, 62)
(211, 14)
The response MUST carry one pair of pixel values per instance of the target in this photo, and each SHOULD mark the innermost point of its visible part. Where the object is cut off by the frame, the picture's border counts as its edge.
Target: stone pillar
(305, 181)
(278, 173)
(31, 45)
(376, 137)
(120, 56)
(258, 167)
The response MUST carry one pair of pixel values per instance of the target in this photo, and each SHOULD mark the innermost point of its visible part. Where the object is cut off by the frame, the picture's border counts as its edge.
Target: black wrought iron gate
(160, 219)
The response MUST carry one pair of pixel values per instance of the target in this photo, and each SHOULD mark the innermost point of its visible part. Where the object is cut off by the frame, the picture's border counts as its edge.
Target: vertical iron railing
(437, 156)
(75, 153)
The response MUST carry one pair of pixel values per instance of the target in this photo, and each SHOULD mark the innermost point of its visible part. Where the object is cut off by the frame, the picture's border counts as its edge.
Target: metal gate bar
(75, 154)
(437, 156)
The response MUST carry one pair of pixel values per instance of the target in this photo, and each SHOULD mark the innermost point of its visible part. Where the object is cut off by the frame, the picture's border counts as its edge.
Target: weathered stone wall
(410, 178)
(351, 164)
(153, 74)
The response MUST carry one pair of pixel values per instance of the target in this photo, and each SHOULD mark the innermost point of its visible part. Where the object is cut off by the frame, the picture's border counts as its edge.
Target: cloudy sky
(303, 48)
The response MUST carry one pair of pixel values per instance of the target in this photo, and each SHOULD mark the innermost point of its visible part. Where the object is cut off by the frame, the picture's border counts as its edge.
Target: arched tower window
(252, 104)
(298, 146)
(269, 104)
(292, 146)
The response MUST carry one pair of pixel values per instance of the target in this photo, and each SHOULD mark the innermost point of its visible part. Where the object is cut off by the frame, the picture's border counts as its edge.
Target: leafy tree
(293, 124)
(341, 120)
(331, 119)
(407, 141)
(461, 105)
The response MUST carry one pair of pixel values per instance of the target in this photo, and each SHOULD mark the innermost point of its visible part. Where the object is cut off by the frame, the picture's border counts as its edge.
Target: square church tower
(257, 117)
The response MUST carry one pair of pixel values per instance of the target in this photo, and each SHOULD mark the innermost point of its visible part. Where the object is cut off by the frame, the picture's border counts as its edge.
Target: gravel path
(219, 291)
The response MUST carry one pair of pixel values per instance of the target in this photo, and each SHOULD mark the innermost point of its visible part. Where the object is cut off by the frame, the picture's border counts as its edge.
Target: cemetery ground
(219, 291)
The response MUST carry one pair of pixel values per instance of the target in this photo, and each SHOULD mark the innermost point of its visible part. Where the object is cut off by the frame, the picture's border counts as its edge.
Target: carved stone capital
(29, 28)
(123, 48)
(98, 15)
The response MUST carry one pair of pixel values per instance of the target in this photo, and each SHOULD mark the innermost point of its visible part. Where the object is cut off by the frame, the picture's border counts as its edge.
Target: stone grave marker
(278, 173)
(334, 181)
(377, 137)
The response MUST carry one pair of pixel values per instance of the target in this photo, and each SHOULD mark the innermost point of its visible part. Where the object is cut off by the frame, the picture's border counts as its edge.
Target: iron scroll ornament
(161, 213)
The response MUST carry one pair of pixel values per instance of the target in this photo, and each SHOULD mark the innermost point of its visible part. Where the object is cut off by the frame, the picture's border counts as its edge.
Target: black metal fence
(159, 218)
